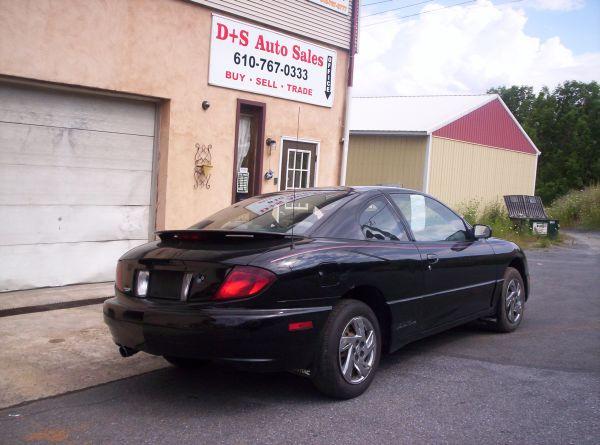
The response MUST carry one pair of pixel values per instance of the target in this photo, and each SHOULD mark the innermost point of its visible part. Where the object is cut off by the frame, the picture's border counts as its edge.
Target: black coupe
(318, 281)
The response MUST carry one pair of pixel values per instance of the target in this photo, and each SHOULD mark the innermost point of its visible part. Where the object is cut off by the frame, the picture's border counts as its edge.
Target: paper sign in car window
(417, 213)
(267, 204)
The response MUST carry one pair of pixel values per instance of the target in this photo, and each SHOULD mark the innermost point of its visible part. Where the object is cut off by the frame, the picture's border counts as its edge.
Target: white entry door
(75, 184)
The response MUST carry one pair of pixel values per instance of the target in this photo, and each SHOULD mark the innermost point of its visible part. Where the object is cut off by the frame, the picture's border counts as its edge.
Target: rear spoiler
(206, 235)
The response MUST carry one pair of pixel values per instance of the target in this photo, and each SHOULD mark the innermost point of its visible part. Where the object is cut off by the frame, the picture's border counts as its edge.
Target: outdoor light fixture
(205, 105)
(141, 283)
(271, 144)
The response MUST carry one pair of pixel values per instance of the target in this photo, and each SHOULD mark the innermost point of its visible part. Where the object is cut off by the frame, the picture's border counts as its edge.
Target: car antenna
(293, 180)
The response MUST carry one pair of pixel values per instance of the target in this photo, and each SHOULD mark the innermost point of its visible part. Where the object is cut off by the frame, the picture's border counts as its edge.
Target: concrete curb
(52, 298)
(51, 307)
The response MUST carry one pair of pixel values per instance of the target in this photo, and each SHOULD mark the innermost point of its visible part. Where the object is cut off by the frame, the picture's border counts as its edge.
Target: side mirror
(481, 231)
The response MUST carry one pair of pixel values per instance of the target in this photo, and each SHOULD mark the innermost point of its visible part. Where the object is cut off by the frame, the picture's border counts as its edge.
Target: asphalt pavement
(538, 385)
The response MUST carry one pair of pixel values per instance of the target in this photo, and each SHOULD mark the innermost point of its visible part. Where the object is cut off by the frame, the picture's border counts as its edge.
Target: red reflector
(244, 281)
(300, 326)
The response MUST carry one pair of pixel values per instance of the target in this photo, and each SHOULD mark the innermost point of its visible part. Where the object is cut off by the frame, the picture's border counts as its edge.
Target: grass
(578, 208)
(495, 216)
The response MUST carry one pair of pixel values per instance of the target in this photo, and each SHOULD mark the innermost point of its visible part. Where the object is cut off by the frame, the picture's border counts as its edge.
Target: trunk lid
(190, 265)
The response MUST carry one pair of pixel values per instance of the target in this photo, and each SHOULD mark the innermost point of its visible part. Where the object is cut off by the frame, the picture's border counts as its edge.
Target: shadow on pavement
(223, 387)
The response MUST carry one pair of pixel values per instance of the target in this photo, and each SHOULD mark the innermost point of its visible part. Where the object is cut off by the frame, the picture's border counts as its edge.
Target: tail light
(119, 277)
(243, 282)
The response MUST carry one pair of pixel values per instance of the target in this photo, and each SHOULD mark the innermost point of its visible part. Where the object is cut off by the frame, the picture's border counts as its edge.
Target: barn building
(456, 148)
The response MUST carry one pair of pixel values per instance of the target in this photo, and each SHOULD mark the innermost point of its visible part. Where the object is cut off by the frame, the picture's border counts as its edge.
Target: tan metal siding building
(381, 159)
(456, 148)
(461, 172)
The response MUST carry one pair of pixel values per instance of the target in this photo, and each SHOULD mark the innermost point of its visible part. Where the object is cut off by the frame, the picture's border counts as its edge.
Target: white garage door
(75, 184)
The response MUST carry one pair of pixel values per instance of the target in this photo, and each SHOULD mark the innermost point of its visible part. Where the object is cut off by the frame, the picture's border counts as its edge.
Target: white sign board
(540, 228)
(249, 58)
(342, 6)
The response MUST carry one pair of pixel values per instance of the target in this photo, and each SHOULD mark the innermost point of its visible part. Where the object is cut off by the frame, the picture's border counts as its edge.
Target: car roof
(382, 188)
(360, 188)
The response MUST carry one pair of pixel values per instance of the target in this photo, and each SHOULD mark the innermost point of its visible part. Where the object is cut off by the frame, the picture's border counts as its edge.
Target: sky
(437, 48)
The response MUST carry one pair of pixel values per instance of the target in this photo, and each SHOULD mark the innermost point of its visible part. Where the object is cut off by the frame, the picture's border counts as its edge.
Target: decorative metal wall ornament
(202, 166)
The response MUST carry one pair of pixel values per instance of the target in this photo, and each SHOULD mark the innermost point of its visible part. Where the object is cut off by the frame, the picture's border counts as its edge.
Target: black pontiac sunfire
(321, 282)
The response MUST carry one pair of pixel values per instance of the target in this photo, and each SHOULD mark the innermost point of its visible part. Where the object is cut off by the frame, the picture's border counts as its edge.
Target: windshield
(277, 213)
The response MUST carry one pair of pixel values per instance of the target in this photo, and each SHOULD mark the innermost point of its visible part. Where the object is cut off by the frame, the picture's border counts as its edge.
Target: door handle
(431, 259)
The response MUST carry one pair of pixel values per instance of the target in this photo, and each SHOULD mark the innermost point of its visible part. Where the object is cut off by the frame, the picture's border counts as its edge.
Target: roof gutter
(388, 133)
(352, 53)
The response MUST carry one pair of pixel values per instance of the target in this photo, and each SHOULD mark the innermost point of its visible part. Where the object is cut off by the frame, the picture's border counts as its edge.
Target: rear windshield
(277, 213)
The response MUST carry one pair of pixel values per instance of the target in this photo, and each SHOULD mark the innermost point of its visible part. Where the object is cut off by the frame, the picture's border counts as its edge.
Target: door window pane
(298, 160)
(379, 222)
(244, 141)
(298, 168)
(245, 176)
(429, 220)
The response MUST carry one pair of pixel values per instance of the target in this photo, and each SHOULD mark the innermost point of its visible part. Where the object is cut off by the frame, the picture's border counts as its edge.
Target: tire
(513, 293)
(187, 363)
(331, 357)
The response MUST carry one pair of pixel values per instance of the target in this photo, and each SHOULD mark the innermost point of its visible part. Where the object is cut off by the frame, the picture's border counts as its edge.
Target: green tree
(565, 125)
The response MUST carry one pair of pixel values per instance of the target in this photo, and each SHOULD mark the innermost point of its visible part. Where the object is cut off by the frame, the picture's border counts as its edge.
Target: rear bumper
(256, 338)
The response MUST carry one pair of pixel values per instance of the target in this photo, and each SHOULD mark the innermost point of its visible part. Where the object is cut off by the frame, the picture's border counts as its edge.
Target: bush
(470, 211)
(493, 215)
(578, 208)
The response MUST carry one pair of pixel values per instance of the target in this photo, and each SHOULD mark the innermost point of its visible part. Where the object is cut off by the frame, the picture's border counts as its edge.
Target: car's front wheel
(511, 306)
(349, 351)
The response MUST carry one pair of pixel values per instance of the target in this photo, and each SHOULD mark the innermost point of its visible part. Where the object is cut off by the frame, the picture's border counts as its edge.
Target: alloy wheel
(514, 301)
(357, 351)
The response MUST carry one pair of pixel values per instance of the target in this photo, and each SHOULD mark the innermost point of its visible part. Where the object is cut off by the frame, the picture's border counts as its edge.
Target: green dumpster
(527, 212)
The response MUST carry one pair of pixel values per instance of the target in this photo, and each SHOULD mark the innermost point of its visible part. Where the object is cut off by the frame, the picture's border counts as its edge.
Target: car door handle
(432, 258)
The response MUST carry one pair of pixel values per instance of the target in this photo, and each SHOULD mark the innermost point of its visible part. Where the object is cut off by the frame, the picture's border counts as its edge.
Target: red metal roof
(491, 125)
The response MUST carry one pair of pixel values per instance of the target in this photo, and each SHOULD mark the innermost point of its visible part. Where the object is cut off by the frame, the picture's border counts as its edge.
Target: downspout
(346, 138)
(427, 163)
(353, 50)
(537, 161)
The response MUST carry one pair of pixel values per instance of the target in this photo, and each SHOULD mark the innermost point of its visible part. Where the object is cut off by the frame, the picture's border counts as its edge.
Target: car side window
(429, 220)
(378, 222)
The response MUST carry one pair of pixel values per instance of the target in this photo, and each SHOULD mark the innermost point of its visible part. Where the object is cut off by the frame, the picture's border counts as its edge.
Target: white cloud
(463, 50)
(557, 5)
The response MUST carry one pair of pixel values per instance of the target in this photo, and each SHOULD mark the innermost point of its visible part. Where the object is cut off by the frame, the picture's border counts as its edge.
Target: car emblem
(200, 278)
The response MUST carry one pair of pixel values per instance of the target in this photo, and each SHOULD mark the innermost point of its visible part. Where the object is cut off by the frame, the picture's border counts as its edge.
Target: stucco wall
(374, 159)
(160, 48)
(461, 172)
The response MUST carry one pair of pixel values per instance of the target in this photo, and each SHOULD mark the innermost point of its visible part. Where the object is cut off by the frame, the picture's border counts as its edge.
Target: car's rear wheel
(511, 306)
(182, 362)
(349, 351)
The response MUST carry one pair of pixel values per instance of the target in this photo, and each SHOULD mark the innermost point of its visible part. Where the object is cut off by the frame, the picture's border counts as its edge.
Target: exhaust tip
(127, 352)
